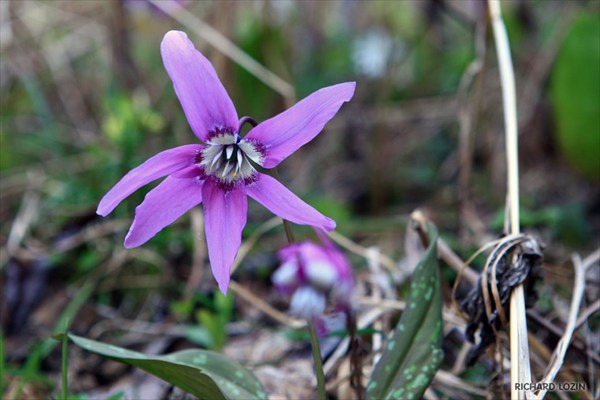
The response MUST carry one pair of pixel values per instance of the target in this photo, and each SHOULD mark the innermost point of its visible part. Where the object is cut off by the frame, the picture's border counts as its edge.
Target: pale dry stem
(558, 357)
(520, 371)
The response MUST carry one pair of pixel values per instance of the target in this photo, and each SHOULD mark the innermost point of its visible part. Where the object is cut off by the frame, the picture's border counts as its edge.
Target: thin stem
(286, 224)
(509, 99)
(65, 355)
(288, 231)
(314, 341)
(2, 366)
(560, 352)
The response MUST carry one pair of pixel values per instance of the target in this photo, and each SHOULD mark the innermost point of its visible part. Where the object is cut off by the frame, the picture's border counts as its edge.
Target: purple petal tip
(351, 87)
(173, 33)
(103, 210)
(331, 224)
(223, 282)
(127, 243)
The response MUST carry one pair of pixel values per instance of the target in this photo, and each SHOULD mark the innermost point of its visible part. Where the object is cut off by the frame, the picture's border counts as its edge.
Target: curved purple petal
(285, 204)
(164, 163)
(205, 101)
(293, 128)
(224, 218)
(162, 206)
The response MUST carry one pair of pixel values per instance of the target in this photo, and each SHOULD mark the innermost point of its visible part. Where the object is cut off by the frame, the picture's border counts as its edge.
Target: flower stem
(288, 231)
(2, 365)
(286, 224)
(314, 341)
(65, 355)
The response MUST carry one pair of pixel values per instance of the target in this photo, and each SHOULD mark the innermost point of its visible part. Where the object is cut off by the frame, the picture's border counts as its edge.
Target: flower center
(227, 158)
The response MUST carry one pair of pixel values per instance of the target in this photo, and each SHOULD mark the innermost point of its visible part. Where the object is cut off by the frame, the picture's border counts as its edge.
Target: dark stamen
(244, 120)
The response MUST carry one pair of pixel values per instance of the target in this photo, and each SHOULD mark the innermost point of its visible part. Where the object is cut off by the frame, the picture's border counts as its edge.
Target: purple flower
(220, 173)
(310, 273)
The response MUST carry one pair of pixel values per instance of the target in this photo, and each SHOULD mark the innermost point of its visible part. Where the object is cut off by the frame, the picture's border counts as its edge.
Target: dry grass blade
(588, 312)
(468, 103)
(248, 244)
(465, 268)
(520, 364)
(197, 268)
(443, 250)
(26, 215)
(449, 379)
(357, 249)
(501, 250)
(91, 233)
(454, 261)
(85, 235)
(225, 46)
(386, 304)
(265, 307)
(561, 349)
(250, 297)
(363, 321)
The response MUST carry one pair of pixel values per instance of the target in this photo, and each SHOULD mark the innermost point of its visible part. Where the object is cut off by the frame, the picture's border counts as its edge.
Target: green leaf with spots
(204, 374)
(414, 353)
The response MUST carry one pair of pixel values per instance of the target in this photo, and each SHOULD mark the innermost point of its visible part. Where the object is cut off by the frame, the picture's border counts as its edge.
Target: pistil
(227, 158)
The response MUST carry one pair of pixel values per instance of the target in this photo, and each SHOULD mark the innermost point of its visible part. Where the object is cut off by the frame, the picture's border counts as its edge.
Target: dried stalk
(197, 267)
(355, 248)
(561, 349)
(520, 370)
(265, 307)
(468, 103)
(227, 47)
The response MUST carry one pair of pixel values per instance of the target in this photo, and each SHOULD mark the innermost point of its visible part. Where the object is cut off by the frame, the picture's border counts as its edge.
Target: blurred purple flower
(311, 273)
(220, 172)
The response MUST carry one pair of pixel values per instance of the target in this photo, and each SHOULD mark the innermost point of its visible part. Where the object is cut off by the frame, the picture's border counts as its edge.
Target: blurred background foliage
(85, 98)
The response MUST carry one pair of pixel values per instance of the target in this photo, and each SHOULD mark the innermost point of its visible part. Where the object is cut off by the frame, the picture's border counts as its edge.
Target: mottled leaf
(413, 353)
(204, 374)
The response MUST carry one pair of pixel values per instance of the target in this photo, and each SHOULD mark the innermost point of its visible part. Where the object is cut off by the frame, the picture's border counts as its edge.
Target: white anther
(229, 151)
(240, 159)
(215, 159)
(227, 169)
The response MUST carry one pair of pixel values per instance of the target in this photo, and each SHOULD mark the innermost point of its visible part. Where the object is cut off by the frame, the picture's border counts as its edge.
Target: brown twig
(227, 47)
(265, 307)
(468, 104)
(558, 356)
(443, 250)
(197, 268)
